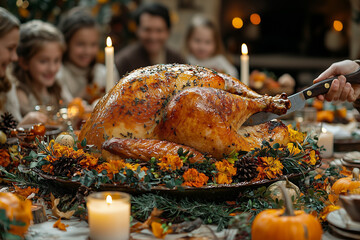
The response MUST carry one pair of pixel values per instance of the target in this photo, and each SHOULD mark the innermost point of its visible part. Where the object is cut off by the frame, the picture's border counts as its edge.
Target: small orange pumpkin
(285, 224)
(341, 112)
(325, 116)
(18, 210)
(343, 185)
(318, 104)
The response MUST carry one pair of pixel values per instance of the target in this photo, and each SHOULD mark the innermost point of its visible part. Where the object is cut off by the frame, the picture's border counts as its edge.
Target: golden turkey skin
(183, 104)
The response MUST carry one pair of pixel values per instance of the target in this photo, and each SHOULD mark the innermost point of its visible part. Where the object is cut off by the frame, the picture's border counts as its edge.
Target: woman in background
(204, 47)
(81, 74)
(40, 52)
(9, 38)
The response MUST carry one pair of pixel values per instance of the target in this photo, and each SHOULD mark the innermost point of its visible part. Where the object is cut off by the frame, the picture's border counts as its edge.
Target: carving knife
(298, 99)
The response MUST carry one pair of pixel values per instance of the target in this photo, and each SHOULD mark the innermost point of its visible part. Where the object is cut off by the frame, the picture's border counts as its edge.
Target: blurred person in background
(9, 38)
(153, 30)
(205, 48)
(40, 52)
(80, 73)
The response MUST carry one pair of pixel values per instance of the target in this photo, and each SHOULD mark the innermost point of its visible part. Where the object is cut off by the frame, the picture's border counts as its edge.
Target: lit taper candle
(109, 62)
(244, 59)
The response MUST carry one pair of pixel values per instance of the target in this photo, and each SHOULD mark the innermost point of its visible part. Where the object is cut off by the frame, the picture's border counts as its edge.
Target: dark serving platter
(219, 191)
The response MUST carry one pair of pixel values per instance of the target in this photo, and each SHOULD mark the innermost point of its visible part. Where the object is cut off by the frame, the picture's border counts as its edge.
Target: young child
(205, 48)
(40, 52)
(80, 73)
(9, 38)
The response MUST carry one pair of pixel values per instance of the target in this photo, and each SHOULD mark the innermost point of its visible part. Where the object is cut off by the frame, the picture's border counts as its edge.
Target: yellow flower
(170, 162)
(132, 166)
(328, 209)
(270, 168)
(225, 172)
(313, 157)
(293, 148)
(295, 136)
(193, 178)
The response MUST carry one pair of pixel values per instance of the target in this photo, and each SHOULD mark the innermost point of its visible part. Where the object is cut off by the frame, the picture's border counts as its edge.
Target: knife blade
(298, 100)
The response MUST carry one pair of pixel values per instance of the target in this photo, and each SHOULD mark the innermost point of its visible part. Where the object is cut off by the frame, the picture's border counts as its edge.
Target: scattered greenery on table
(85, 167)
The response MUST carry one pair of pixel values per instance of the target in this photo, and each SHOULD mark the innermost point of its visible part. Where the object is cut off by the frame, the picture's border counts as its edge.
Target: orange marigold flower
(170, 162)
(57, 151)
(270, 168)
(25, 192)
(225, 172)
(193, 178)
(4, 158)
(48, 168)
(113, 166)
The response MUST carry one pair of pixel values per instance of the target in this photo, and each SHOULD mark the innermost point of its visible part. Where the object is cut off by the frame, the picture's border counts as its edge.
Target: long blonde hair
(33, 35)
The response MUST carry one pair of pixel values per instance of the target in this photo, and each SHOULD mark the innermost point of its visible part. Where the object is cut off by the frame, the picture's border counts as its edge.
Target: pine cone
(246, 169)
(66, 166)
(7, 122)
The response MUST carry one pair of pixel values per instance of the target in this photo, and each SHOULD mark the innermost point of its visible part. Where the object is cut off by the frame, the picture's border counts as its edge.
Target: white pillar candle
(109, 62)
(326, 139)
(244, 59)
(109, 215)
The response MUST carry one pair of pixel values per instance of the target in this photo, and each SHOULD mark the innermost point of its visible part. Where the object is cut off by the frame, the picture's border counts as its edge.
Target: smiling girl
(40, 52)
(9, 38)
(204, 47)
(81, 74)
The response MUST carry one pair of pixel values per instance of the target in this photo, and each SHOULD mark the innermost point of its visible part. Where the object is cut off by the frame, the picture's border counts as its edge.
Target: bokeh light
(237, 22)
(338, 26)
(255, 19)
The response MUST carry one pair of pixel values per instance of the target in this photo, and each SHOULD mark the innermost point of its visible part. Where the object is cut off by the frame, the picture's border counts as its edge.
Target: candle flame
(108, 199)
(244, 49)
(108, 42)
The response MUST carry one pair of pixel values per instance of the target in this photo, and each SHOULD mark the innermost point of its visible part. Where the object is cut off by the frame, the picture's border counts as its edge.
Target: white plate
(348, 164)
(352, 156)
(346, 234)
(356, 161)
(341, 219)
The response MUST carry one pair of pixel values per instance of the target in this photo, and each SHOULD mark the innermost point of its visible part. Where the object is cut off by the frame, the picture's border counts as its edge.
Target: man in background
(153, 30)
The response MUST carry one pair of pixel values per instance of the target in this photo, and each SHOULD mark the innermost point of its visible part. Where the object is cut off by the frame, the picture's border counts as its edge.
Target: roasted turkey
(158, 109)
